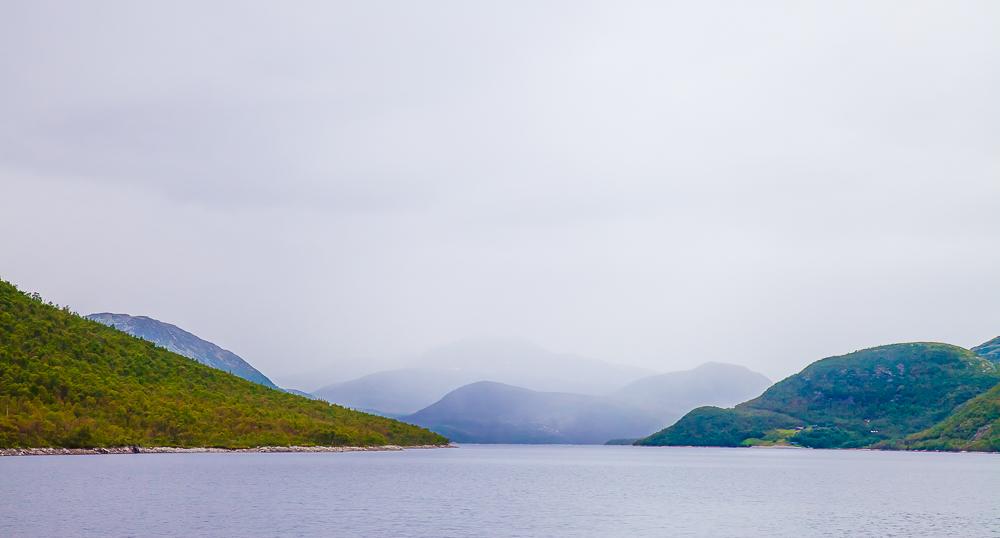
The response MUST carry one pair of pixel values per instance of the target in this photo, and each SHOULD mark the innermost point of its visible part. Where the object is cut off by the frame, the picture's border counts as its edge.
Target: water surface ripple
(505, 491)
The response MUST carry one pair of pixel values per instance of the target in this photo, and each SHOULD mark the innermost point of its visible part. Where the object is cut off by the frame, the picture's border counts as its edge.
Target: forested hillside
(973, 426)
(70, 382)
(873, 397)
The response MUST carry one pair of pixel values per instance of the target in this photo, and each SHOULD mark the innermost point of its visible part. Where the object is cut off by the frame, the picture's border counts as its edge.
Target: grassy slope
(860, 399)
(973, 426)
(67, 381)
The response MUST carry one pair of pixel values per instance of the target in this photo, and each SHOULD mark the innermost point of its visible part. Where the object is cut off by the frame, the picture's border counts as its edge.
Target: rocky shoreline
(201, 450)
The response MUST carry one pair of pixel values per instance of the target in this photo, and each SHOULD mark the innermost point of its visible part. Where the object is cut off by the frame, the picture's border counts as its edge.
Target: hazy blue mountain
(676, 393)
(396, 392)
(179, 341)
(525, 364)
(489, 412)
(492, 412)
(990, 350)
(437, 372)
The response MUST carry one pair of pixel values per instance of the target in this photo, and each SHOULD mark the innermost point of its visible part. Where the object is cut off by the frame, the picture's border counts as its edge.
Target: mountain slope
(990, 350)
(184, 343)
(975, 425)
(396, 392)
(713, 426)
(860, 399)
(676, 393)
(67, 381)
(488, 412)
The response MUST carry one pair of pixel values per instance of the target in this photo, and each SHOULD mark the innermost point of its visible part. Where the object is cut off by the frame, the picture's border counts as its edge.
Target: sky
(329, 188)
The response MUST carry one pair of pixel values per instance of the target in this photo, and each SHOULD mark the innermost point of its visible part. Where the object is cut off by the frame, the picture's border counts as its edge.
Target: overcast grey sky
(316, 185)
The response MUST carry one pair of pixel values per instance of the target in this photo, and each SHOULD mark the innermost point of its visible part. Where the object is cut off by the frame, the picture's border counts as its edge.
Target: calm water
(505, 491)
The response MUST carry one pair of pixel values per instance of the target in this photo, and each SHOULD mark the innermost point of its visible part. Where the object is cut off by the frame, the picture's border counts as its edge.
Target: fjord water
(505, 491)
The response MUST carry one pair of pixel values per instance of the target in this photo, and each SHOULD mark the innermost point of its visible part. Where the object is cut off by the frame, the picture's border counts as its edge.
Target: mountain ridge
(442, 369)
(494, 412)
(182, 342)
(989, 349)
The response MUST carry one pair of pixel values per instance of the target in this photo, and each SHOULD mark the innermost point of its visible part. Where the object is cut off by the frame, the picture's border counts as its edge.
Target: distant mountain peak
(492, 412)
(990, 349)
(173, 338)
(488, 411)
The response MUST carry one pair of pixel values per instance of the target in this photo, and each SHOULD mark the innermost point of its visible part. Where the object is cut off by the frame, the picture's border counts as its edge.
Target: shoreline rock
(204, 450)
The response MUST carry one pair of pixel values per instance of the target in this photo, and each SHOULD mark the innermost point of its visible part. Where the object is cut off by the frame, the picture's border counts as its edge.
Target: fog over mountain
(525, 364)
(443, 369)
(721, 385)
(396, 392)
(490, 412)
(334, 187)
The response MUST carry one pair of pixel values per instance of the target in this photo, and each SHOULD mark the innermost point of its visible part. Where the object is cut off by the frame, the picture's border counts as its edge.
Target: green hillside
(973, 426)
(69, 382)
(714, 426)
(861, 399)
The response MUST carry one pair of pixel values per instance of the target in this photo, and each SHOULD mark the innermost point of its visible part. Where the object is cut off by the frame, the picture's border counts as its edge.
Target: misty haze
(499, 268)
